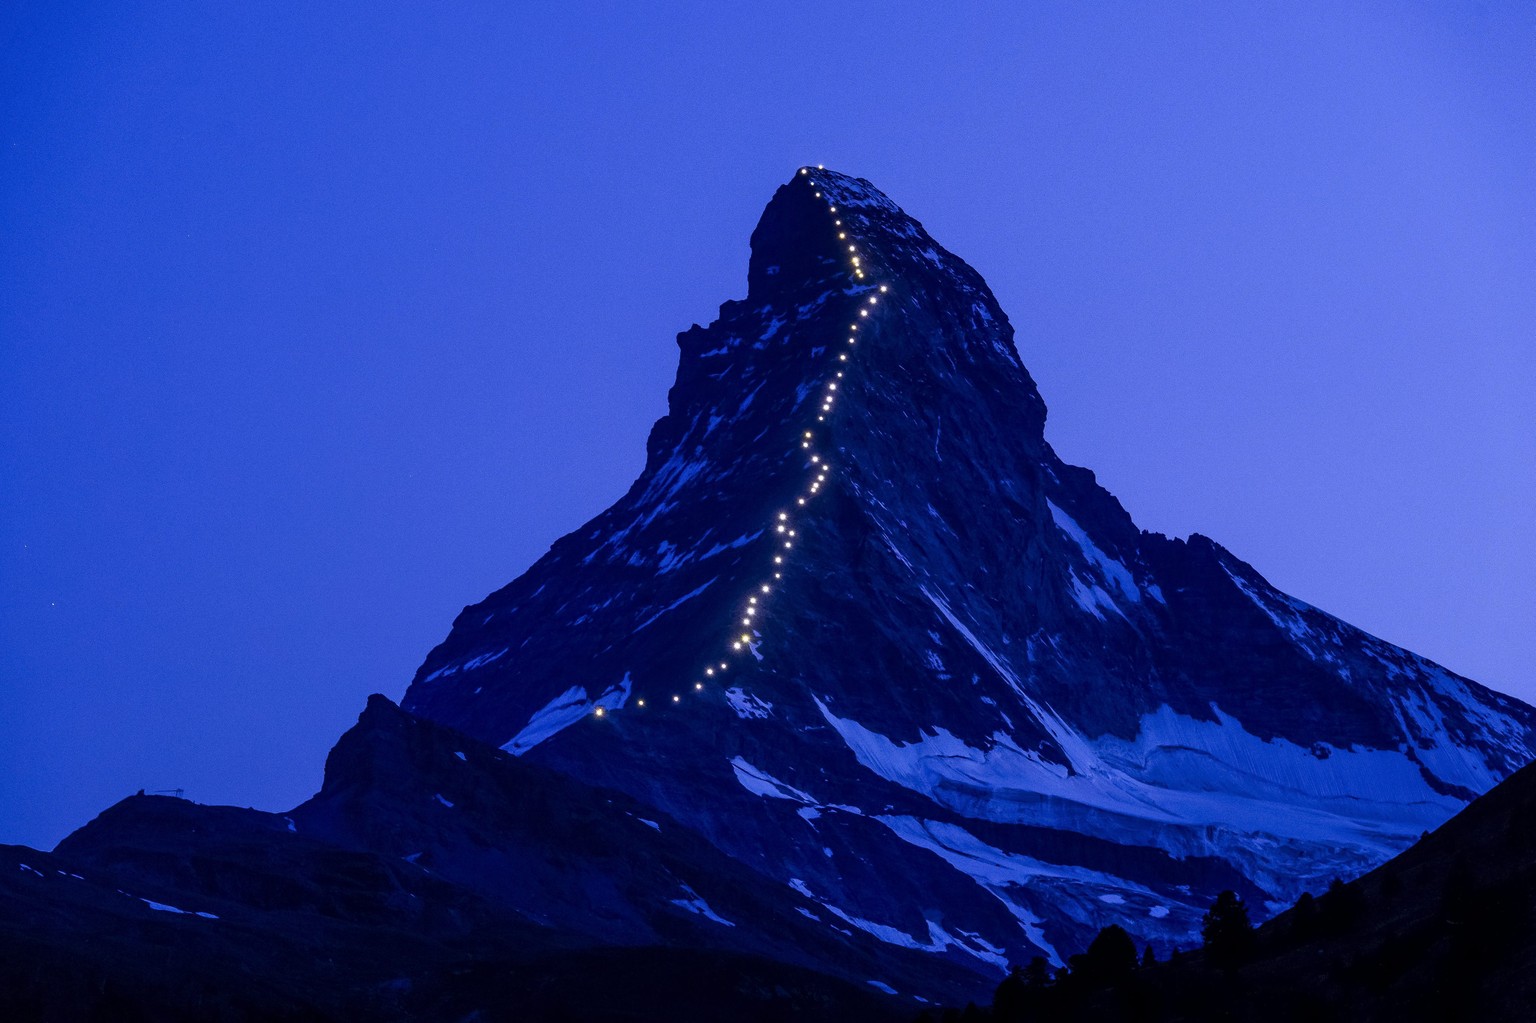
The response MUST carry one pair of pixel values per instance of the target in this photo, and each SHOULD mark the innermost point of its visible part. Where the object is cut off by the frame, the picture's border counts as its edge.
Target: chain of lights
(743, 639)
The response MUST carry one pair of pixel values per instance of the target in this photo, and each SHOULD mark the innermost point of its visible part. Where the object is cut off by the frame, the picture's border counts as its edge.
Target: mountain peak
(860, 626)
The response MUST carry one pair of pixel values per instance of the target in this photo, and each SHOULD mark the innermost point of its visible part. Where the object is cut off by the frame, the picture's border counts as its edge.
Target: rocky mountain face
(859, 627)
(857, 697)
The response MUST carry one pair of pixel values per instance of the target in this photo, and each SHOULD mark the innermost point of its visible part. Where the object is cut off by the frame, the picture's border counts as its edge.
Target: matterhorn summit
(858, 629)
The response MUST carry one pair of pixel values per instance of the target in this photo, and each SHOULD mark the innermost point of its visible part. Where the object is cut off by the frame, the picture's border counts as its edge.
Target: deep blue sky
(318, 325)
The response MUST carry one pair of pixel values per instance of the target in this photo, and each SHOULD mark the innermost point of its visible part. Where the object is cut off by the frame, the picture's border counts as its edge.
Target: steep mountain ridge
(859, 626)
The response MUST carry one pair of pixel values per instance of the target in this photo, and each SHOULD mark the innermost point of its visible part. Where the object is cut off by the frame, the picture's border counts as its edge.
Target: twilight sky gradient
(317, 325)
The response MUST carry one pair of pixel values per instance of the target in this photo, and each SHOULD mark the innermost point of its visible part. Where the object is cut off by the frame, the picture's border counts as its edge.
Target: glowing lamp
(640, 703)
(676, 698)
(804, 170)
(765, 589)
(882, 289)
(598, 712)
(833, 208)
(735, 646)
(863, 312)
(698, 685)
(746, 638)
(709, 671)
(722, 665)
(800, 499)
(778, 559)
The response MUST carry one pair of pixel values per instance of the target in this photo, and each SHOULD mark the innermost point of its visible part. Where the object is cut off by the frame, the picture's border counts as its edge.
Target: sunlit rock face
(860, 628)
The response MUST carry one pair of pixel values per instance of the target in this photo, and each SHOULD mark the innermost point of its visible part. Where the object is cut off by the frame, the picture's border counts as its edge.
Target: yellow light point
(807, 433)
(598, 712)
(640, 703)
(746, 638)
(842, 234)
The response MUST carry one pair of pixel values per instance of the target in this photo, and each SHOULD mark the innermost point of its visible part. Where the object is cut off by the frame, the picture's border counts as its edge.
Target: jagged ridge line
(784, 526)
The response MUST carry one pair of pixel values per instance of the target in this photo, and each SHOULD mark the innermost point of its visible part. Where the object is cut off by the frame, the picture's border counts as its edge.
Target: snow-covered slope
(859, 627)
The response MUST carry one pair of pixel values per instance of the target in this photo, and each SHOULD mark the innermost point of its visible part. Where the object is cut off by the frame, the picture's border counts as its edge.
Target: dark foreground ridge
(431, 878)
(1446, 931)
(859, 697)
